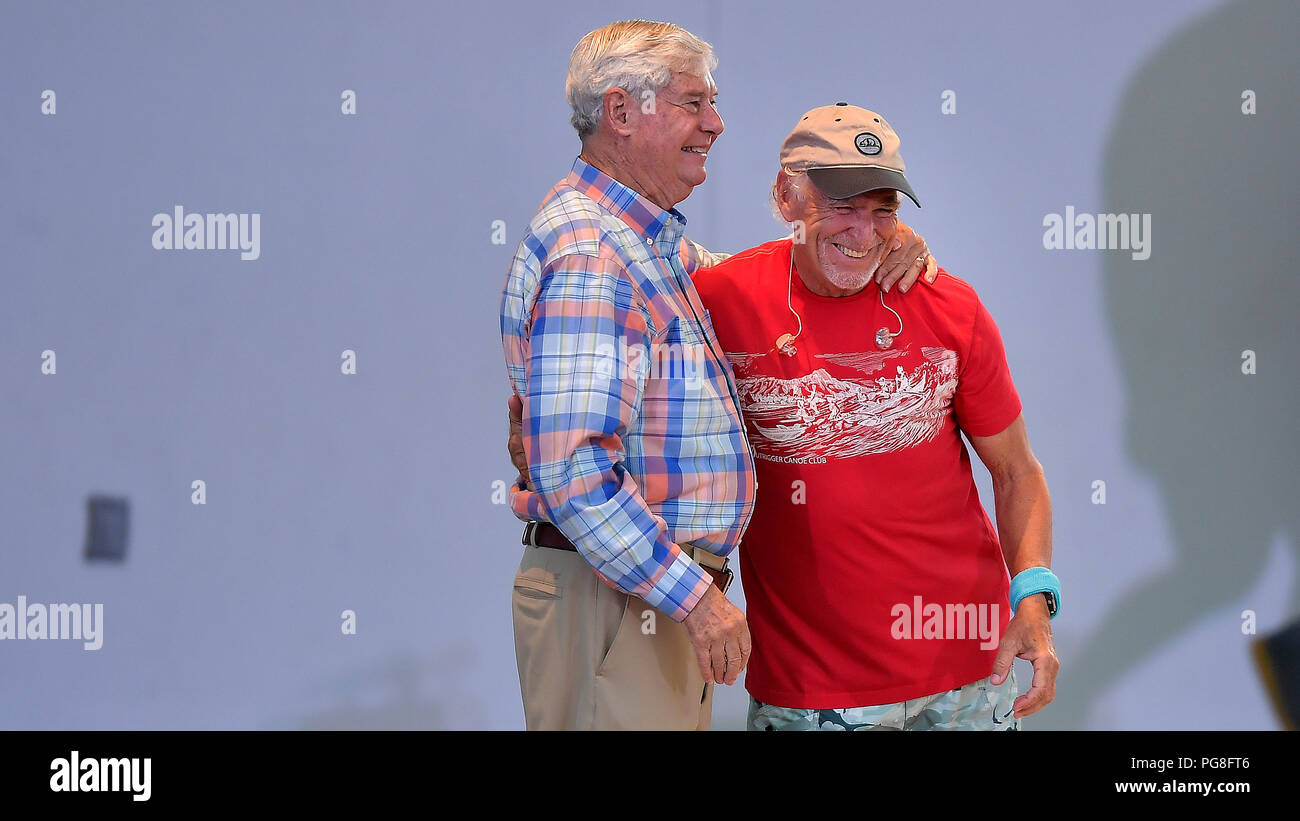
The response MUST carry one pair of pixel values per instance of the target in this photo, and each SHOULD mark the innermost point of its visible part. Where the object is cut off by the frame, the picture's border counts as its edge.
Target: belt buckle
(731, 577)
(721, 579)
(695, 552)
(530, 534)
(725, 570)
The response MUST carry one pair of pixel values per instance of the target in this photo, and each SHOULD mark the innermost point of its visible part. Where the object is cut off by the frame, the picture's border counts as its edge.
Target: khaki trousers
(592, 658)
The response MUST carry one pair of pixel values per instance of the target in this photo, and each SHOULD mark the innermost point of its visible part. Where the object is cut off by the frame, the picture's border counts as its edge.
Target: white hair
(797, 183)
(635, 55)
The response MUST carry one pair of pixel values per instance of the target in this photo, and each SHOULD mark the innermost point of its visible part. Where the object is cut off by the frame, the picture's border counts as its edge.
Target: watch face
(1051, 602)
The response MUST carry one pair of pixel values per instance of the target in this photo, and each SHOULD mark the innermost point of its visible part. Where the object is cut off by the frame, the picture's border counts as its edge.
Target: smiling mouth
(691, 149)
(849, 252)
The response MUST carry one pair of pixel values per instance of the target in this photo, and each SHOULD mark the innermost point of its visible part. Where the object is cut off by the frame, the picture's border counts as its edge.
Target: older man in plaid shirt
(641, 477)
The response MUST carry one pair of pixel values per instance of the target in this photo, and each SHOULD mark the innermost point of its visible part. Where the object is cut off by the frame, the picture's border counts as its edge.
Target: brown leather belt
(545, 534)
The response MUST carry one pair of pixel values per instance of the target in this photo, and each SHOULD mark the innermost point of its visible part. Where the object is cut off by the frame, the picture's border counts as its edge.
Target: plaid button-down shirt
(631, 422)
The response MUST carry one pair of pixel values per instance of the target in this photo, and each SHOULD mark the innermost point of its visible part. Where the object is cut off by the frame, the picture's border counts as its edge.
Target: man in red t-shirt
(877, 588)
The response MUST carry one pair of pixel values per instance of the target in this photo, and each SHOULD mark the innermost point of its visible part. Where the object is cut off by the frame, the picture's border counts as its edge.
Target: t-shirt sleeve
(986, 401)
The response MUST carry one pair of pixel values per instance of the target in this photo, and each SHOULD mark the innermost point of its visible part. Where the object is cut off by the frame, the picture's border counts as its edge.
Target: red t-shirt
(865, 495)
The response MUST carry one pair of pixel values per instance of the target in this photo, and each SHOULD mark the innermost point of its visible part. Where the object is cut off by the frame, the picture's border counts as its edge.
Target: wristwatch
(1051, 602)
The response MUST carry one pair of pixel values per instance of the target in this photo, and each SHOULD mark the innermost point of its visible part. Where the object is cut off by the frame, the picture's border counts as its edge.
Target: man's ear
(783, 199)
(616, 109)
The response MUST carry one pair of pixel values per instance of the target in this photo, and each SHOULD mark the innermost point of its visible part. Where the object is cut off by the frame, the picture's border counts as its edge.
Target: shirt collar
(641, 215)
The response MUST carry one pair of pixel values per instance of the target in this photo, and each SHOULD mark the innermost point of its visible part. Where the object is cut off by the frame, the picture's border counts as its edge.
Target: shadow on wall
(1222, 279)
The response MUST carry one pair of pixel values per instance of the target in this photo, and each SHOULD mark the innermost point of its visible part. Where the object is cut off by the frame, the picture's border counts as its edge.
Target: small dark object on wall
(107, 521)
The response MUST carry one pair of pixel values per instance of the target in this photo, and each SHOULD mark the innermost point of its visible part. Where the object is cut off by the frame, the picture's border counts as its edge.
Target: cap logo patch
(867, 143)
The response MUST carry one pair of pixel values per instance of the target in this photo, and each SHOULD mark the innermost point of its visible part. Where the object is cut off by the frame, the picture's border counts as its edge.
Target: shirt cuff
(526, 505)
(691, 585)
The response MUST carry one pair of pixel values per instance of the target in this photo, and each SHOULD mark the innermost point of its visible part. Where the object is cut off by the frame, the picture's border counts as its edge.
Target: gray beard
(855, 282)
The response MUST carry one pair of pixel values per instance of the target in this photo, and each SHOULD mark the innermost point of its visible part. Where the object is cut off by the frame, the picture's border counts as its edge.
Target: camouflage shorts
(979, 705)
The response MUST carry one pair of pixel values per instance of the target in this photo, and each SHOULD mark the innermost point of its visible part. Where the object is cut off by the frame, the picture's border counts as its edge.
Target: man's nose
(865, 230)
(866, 233)
(712, 121)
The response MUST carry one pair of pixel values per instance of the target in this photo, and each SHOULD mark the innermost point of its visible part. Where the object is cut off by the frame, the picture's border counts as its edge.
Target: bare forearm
(1024, 509)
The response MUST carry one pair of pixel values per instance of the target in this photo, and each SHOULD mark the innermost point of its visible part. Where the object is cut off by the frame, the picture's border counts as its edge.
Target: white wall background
(373, 492)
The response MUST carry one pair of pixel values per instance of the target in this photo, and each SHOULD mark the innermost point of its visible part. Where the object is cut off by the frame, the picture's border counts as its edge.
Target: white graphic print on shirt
(818, 416)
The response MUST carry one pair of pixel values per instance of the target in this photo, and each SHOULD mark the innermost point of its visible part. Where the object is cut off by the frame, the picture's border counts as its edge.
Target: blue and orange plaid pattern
(628, 462)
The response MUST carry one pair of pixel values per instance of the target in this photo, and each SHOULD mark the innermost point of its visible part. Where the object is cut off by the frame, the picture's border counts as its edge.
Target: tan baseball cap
(846, 151)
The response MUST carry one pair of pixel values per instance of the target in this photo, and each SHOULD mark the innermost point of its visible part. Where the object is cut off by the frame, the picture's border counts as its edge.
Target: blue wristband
(1036, 580)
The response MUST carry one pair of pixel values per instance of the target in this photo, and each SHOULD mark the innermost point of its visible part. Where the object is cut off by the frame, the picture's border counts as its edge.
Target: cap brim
(844, 181)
